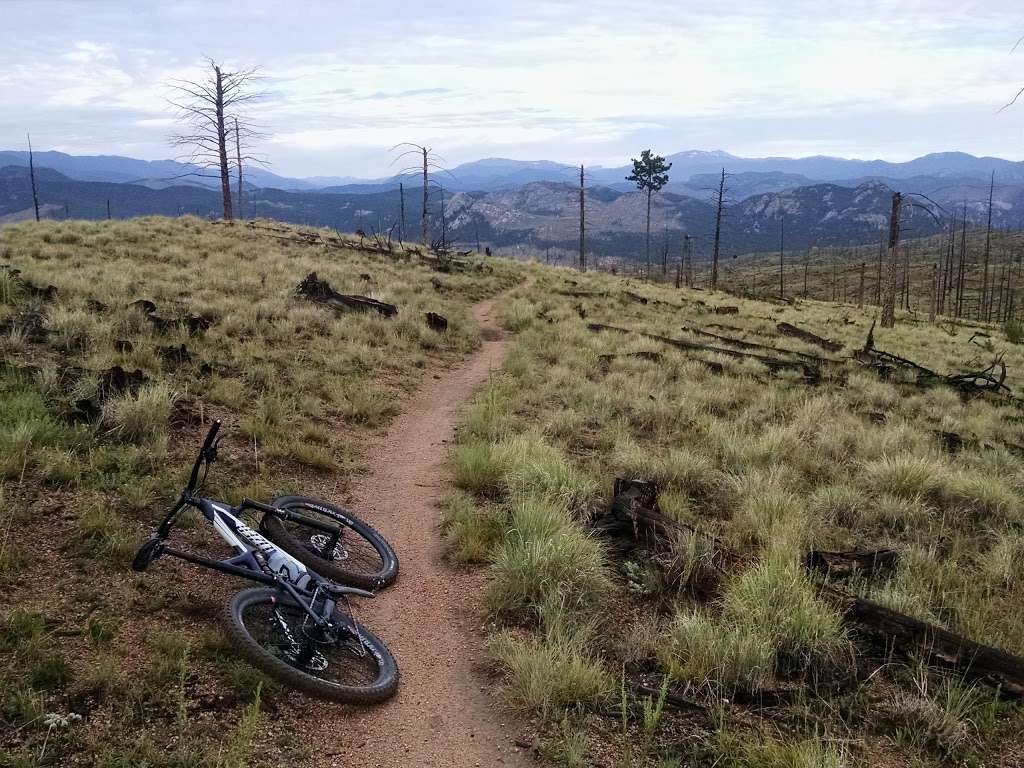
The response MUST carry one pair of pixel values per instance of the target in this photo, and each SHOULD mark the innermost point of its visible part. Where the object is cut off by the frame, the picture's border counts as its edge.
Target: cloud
(559, 80)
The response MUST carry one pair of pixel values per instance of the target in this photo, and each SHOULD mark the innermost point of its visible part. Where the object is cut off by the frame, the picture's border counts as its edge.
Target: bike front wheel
(361, 557)
(346, 663)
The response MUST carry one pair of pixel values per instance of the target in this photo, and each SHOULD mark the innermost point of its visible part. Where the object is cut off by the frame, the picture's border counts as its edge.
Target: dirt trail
(443, 714)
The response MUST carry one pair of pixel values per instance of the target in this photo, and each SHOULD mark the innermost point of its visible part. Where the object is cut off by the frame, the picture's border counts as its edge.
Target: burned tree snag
(320, 292)
(437, 322)
(32, 176)
(985, 307)
(719, 205)
(961, 268)
(889, 305)
(583, 255)
(782, 258)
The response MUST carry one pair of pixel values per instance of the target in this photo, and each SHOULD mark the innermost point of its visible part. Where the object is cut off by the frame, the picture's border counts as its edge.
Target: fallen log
(635, 297)
(320, 292)
(788, 329)
(842, 565)
(811, 373)
(753, 345)
(726, 310)
(990, 380)
(904, 635)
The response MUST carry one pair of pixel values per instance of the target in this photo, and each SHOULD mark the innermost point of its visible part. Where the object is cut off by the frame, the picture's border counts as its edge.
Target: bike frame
(254, 553)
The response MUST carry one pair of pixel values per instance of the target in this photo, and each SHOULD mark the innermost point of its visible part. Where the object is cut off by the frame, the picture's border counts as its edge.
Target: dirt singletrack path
(443, 714)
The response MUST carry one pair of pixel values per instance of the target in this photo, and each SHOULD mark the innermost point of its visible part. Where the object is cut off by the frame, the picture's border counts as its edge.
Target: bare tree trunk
(782, 258)
(649, 192)
(425, 221)
(947, 266)
(32, 176)
(933, 305)
(1011, 300)
(238, 159)
(444, 223)
(688, 260)
(878, 282)
(889, 307)
(906, 278)
(985, 309)
(583, 255)
(222, 146)
(961, 268)
(108, 209)
(718, 232)
(860, 291)
(807, 262)
(401, 220)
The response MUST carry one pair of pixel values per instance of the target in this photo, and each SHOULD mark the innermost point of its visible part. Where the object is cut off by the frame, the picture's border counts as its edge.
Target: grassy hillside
(765, 467)
(102, 667)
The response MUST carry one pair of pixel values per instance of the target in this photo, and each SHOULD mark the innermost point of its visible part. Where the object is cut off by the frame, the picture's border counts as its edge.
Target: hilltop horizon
(121, 168)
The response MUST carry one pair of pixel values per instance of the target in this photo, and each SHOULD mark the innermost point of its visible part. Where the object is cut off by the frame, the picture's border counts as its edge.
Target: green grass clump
(770, 622)
(473, 529)
(712, 650)
(906, 476)
(141, 417)
(982, 496)
(477, 468)
(558, 670)
(544, 551)
(777, 753)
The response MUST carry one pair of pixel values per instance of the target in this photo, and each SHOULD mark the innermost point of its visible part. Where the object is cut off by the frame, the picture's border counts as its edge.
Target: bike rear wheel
(361, 558)
(348, 664)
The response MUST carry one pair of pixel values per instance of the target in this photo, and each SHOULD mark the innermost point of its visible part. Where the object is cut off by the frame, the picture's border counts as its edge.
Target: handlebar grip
(211, 435)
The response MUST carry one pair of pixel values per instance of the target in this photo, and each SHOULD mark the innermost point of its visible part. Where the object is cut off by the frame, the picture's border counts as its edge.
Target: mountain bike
(297, 628)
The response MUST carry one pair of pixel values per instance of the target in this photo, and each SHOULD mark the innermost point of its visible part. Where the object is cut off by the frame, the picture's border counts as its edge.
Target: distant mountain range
(512, 203)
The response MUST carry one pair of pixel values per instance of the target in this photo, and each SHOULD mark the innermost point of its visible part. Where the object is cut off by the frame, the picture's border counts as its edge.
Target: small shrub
(1013, 330)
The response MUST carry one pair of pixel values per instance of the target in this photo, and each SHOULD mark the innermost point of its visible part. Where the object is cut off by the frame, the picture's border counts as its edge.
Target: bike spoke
(351, 553)
(281, 629)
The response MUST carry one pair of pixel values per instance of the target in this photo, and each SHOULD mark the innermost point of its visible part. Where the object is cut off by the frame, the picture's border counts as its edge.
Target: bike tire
(377, 573)
(240, 608)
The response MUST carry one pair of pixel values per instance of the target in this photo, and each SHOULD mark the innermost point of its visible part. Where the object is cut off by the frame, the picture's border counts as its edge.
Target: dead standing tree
(719, 200)
(650, 173)
(889, 300)
(32, 176)
(583, 254)
(210, 110)
(427, 160)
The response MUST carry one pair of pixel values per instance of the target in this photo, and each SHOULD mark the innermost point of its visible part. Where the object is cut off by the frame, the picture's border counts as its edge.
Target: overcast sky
(590, 81)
